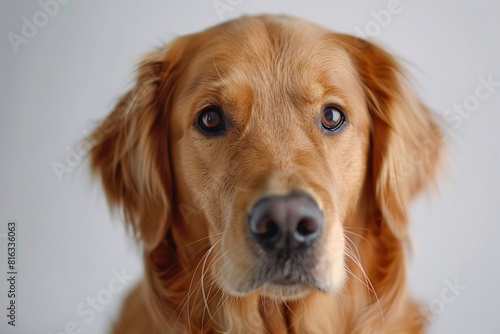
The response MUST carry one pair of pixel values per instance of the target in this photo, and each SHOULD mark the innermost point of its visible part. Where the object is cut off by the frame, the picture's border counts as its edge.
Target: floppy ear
(406, 142)
(130, 150)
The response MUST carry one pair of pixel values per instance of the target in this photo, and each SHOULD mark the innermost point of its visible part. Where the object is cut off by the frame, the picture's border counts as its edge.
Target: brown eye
(210, 121)
(333, 119)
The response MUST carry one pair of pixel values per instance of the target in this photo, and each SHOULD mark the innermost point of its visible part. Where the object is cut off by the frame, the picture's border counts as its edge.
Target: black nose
(285, 223)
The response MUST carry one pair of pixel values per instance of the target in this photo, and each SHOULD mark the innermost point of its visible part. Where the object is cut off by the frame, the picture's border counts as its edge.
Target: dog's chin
(286, 291)
(280, 290)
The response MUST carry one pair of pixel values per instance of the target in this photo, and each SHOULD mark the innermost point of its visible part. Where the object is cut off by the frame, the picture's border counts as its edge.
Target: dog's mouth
(287, 279)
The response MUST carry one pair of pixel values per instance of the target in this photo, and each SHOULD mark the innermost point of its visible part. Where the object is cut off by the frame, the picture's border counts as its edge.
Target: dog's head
(259, 143)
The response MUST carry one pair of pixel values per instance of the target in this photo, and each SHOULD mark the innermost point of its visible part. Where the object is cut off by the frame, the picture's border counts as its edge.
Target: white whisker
(355, 257)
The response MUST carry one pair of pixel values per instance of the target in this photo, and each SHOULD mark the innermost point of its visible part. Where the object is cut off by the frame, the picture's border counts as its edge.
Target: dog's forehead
(291, 59)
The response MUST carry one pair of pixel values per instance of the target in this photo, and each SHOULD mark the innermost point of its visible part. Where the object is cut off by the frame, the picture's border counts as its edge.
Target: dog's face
(263, 128)
(266, 138)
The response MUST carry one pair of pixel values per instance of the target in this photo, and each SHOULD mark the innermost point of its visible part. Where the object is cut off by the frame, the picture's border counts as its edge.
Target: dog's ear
(406, 142)
(130, 151)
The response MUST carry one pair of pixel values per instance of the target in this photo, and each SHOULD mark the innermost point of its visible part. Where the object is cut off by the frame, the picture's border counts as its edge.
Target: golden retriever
(266, 165)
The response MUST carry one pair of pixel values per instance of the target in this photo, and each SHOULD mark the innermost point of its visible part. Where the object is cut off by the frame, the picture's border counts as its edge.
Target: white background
(70, 73)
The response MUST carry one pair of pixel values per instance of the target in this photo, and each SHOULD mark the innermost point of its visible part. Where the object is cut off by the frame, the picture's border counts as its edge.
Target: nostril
(306, 227)
(267, 229)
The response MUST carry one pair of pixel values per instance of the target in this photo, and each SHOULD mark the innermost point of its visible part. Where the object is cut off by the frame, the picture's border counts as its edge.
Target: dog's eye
(333, 118)
(210, 121)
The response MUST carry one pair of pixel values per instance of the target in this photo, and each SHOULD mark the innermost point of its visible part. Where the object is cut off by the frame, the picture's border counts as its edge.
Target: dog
(266, 166)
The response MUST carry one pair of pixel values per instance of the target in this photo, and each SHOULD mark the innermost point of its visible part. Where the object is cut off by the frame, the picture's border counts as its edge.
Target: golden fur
(187, 196)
